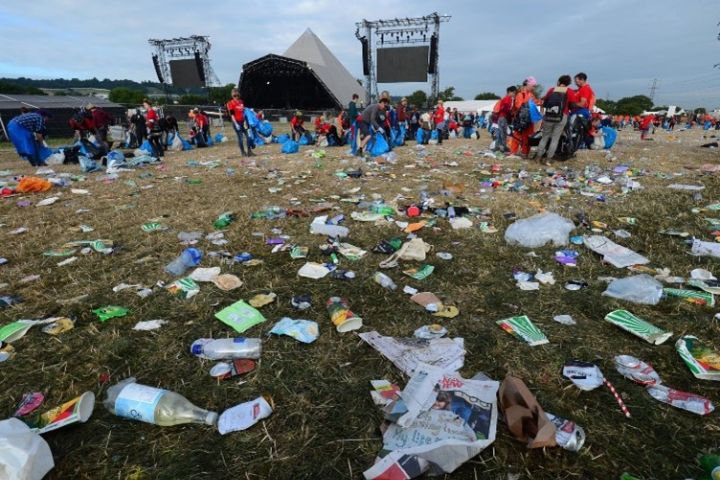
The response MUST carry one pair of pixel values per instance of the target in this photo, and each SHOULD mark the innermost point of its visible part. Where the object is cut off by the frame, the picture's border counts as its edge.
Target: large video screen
(185, 74)
(404, 64)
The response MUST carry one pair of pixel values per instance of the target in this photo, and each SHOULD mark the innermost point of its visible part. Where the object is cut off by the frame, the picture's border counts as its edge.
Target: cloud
(621, 45)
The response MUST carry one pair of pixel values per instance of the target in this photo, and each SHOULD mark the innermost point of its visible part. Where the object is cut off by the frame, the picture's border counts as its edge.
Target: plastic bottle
(190, 257)
(384, 281)
(329, 230)
(154, 405)
(711, 465)
(227, 348)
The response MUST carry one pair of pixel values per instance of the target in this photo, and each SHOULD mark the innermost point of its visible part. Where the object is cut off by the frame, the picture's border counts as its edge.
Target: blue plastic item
(610, 135)
(378, 145)
(434, 135)
(251, 118)
(306, 139)
(282, 138)
(145, 146)
(535, 115)
(265, 129)
(290, 147)
(219, 138)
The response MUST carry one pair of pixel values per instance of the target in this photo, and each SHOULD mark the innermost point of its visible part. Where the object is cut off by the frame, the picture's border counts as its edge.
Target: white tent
(471, 106)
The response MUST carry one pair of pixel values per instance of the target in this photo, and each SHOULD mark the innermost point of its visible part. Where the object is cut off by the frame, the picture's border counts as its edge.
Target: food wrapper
(78, 409)
(523, 328)
(702, 361)
(305, 331)
(638, 327)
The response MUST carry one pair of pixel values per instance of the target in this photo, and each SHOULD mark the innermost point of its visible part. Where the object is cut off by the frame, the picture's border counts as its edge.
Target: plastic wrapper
(686, 401)
(24, 455)
(642, 289)
(407, 353)
(538, 230)
(304, 331)
(457, 420)
(240, 316)
(701, 359)
(616, 255)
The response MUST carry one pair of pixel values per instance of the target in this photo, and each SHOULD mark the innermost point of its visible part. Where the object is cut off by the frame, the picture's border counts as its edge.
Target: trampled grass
(325, 425)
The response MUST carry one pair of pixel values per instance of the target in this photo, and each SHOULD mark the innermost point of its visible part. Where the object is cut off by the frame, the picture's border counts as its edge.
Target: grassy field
(325, 425)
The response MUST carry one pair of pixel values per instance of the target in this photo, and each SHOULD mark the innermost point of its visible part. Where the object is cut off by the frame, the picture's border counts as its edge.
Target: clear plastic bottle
(384, 281)
(227, 348)
(190, 257)
(329, 230)
(154, 405)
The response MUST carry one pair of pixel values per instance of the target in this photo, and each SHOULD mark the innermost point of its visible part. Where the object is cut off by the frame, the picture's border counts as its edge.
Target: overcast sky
(621, 44)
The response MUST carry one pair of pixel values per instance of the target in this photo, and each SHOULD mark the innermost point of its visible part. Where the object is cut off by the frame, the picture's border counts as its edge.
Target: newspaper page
(407, 353)
(458, 423)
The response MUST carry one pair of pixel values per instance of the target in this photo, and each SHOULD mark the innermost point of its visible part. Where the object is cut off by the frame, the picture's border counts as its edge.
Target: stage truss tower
(183, 49)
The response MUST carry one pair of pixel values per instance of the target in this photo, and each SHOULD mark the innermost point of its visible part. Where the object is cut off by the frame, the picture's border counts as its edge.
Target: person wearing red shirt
(503, 114)
(236, 110)
(200, 127)
(585, 101)
(439, 120)
(153, 128)
(296, 126)
(645, 126)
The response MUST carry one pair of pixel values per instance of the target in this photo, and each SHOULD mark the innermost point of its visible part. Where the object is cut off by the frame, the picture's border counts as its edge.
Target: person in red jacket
(502, 117)
(645, 126)
(152, 123)
(101, 121)
(439, 120)
(236, 110)
(296, 126)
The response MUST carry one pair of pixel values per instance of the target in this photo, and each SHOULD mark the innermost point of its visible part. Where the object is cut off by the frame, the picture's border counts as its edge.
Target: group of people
(561, 104)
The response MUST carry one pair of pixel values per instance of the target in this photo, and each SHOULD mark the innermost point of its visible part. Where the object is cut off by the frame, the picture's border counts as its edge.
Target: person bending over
(372, 120)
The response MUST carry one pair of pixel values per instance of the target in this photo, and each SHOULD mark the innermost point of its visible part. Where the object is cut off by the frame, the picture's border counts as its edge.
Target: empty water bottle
(190, 257)
(384, 281)
(227, 348)
(154, 405)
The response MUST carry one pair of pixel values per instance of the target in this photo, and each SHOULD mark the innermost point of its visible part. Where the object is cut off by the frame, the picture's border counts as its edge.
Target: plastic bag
(642, 289)
(610, 137)
(88, 165)
(306, 139)
(282, 138)
(536, 231)
(378, 145)
(290, 146)
(24, 455)
(146, 146)
(176, 145)
(265, 129)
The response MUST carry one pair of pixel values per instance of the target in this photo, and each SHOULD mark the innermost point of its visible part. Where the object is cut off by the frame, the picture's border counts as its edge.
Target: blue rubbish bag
(251, 118)
(398, 136)
(610, 135)
(535, 115)
(265, 129)
(219, 138)
(290, 146)
(282, 138)
(378, 145)
(306, 139)
(88, 165)
(434, 135)
(186, 145)
(145, 146)
(422, 137)
(170, 138)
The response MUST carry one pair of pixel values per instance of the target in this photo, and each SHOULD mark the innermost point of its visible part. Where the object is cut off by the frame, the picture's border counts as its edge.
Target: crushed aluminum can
(569, 435)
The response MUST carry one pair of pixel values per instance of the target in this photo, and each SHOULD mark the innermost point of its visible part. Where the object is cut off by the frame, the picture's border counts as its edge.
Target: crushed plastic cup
(238, 366)
(341, 315)
(686, 401)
